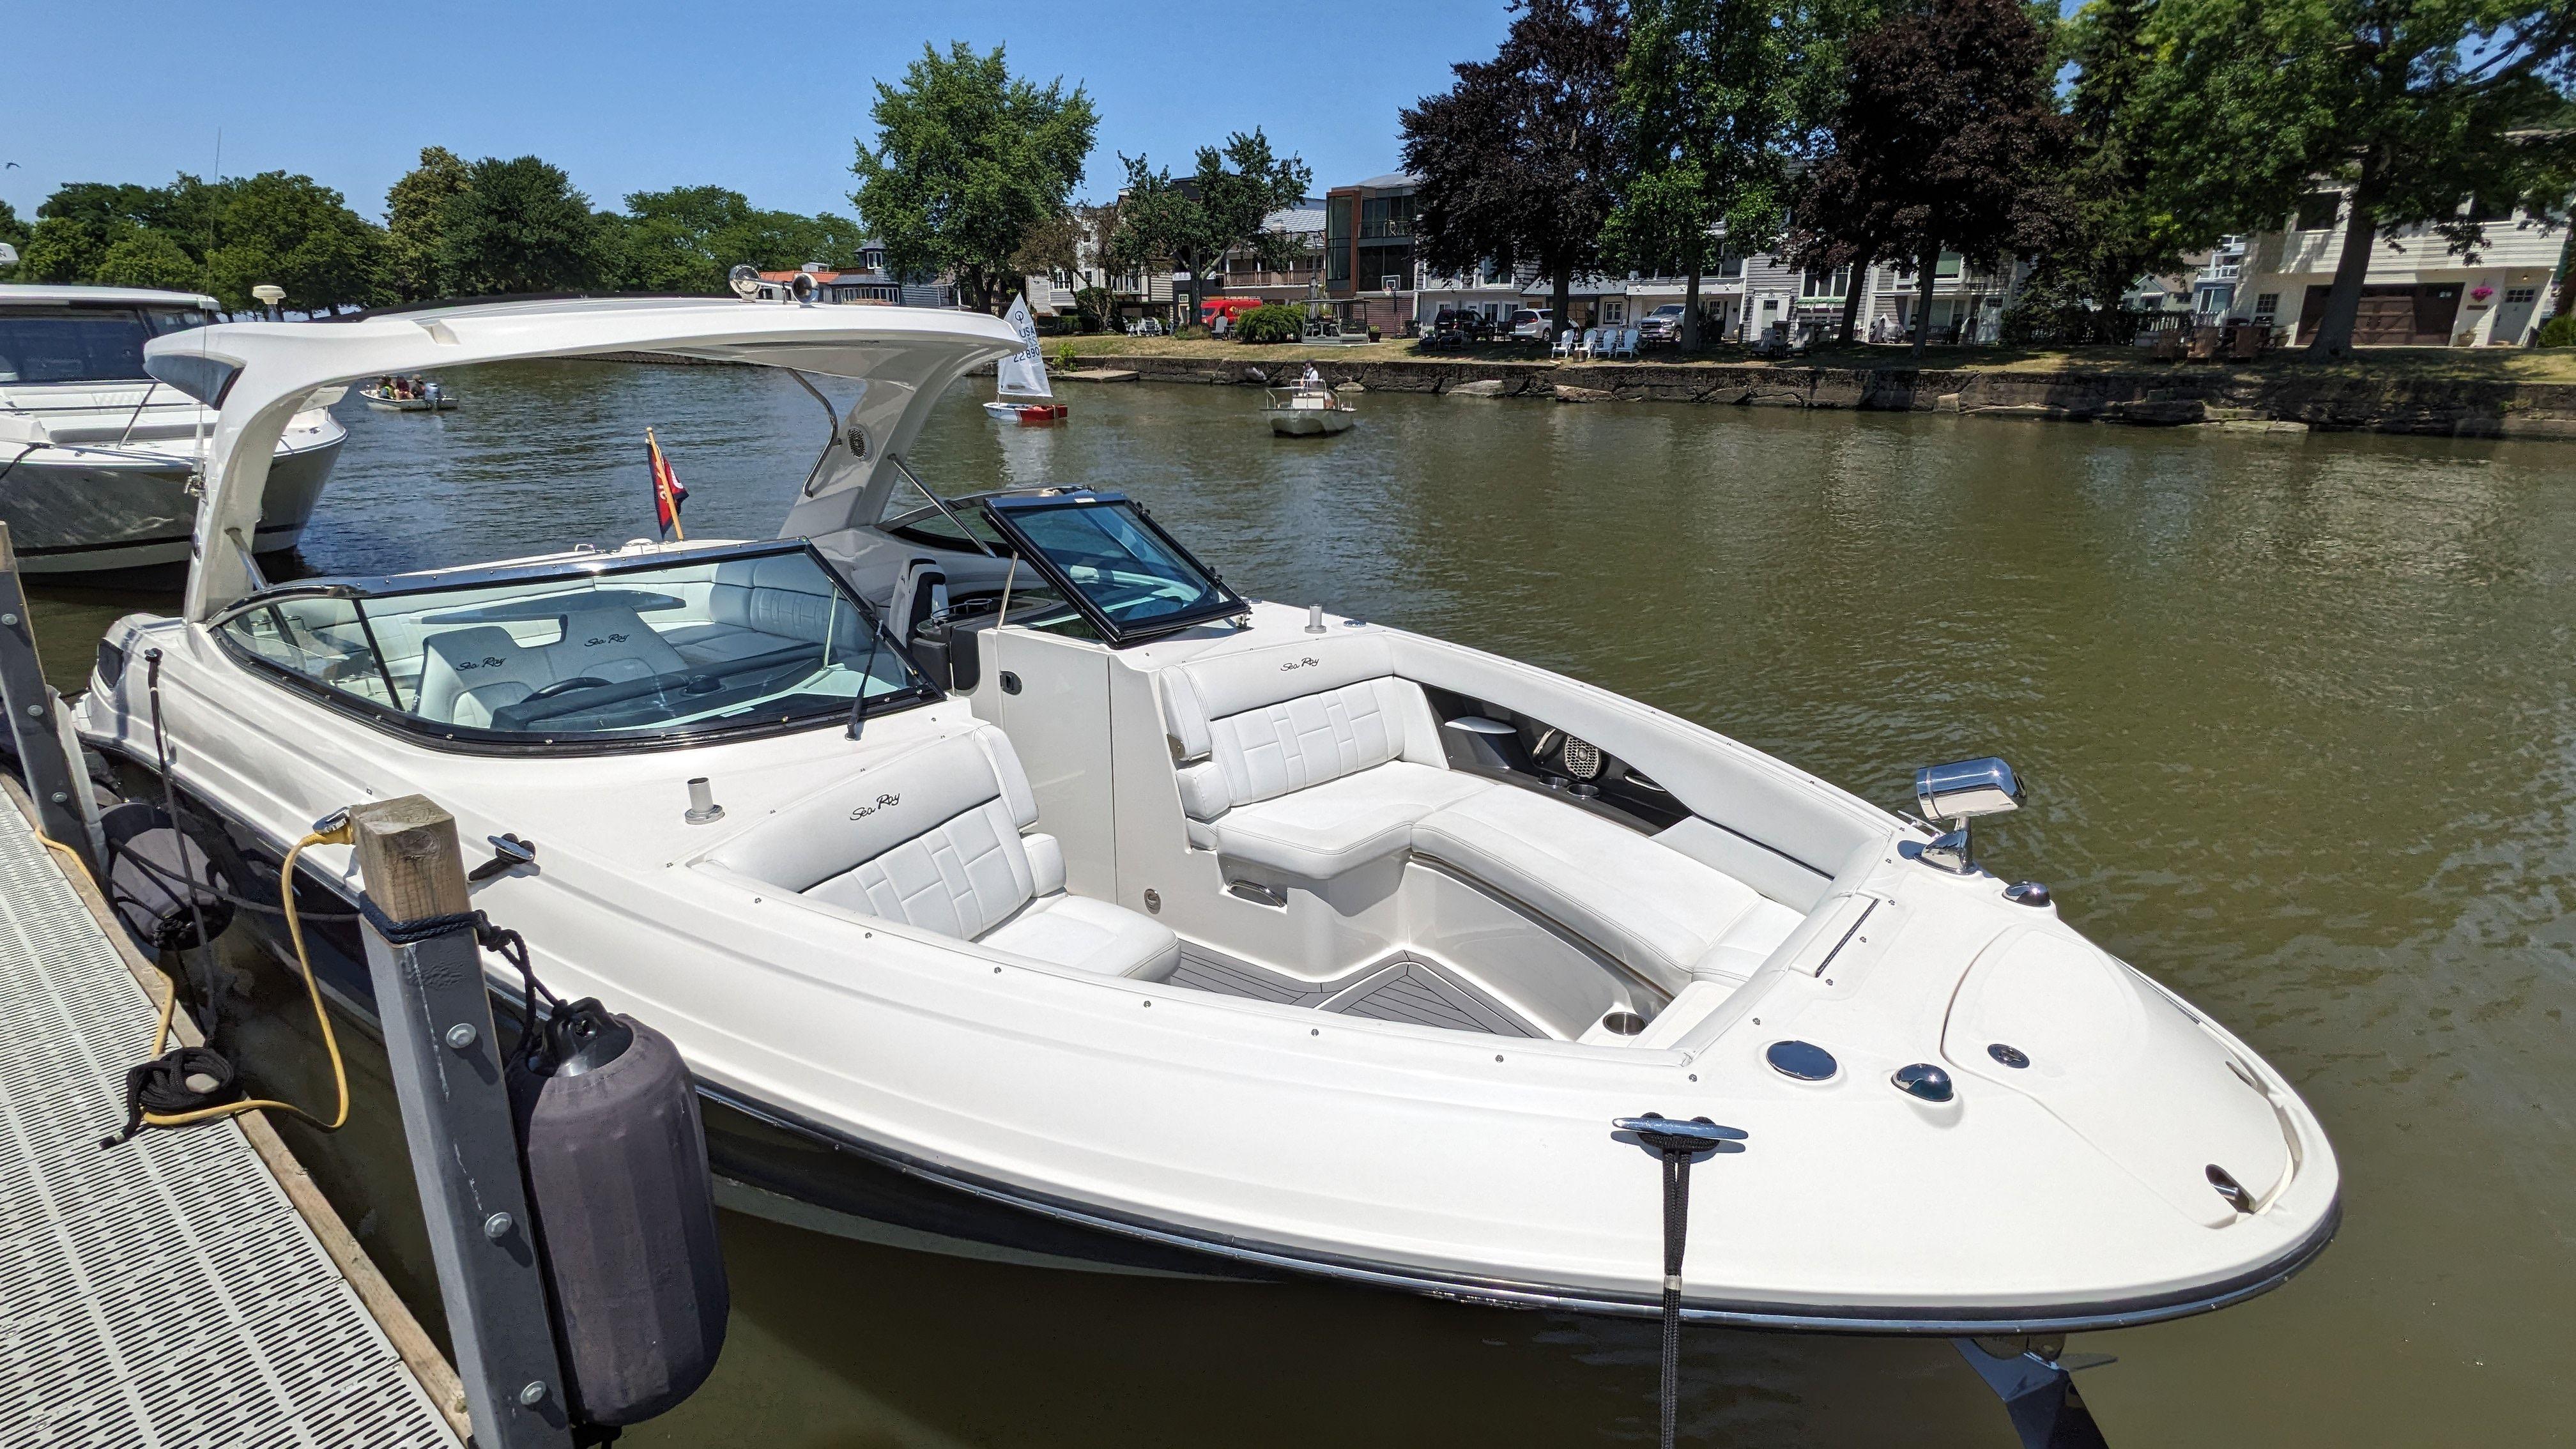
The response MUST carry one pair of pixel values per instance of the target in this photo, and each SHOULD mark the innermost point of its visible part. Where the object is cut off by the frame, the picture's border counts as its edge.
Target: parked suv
(1534, 324)
(1663, 325)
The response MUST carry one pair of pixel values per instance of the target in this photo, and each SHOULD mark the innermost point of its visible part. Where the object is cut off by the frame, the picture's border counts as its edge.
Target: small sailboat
(1308, 410)
(1021, 395)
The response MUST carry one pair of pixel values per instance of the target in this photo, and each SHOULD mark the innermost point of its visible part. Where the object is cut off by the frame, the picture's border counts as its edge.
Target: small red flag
(668, 495)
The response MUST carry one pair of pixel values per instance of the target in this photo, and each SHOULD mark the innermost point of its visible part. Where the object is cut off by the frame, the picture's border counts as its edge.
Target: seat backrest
(466, 674)
(782, 595)
(1272, 720)
(930, 838)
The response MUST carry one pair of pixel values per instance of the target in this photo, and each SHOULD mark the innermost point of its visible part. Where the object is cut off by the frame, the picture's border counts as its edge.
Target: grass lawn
(2497, 364)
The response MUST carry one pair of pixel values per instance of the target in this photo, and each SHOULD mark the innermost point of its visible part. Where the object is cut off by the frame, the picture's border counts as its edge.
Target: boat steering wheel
(560, 686)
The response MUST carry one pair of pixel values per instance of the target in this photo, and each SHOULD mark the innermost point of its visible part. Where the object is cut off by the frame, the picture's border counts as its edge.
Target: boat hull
(771, 1161)
(1311, 422)
(1026, 415)
(85, 512)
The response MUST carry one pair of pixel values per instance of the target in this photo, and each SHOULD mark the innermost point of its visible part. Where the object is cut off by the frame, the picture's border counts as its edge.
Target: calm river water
(2296, 715)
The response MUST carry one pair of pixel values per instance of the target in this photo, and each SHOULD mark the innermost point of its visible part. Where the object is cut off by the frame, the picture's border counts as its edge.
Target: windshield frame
(474, 740)
(999, 508)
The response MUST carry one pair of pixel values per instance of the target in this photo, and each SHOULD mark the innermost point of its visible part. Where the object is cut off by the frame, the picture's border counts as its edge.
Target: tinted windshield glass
(1123, 567)
(83, 344)
(655, 652)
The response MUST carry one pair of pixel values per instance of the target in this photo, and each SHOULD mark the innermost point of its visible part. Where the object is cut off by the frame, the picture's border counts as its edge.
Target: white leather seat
(1651, 907)
(468, 674)
(760, 604)
(1323, 830)
(934, 839)
(1310, 759)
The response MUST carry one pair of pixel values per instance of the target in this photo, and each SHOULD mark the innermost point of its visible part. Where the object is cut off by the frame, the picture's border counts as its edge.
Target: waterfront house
(2418, 291)
(1246, 275)
(869, 281)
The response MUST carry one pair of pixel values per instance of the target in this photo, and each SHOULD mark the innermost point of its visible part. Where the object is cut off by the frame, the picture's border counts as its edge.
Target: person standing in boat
(1313, 381)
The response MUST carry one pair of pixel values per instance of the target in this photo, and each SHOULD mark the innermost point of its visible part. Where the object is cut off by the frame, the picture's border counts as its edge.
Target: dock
(190, 1287)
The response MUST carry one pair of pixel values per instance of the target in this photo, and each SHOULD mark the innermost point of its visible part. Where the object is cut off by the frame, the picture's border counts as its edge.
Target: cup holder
(1624, 1023)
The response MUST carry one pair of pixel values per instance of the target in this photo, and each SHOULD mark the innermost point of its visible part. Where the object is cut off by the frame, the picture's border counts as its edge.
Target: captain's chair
(469, 674)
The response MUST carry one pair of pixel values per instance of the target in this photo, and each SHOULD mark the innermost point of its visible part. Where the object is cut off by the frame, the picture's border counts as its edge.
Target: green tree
(142, 258)
(297, 234)
(687, 238)
(415, 211)
(2103, 231)
(2414, 105)
(1196, 220)
(968, 161)
(1518, 158)
(519, 226)
(1715, 98)
(1946, 140)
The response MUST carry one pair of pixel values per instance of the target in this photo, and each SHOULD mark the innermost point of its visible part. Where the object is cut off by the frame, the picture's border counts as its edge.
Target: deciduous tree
(415, 213)
(1518, 159)
(1945, 140)
(518, 226)
(1195, 220)
(2415, 105)
(968, 161)
(14, 233)
(1715, 97)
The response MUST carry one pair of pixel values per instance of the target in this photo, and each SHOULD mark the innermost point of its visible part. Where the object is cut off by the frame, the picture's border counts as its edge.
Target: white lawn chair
(1564, 346)
(1590, 346)
(1624, 344)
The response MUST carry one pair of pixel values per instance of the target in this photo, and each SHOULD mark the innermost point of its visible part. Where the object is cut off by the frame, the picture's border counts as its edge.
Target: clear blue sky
(650, 94)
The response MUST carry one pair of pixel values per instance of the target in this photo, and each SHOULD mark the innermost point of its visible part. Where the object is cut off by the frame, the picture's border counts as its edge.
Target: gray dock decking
(167, 1292)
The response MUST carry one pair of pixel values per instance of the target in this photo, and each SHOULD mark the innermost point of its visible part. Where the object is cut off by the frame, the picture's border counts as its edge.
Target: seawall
(2273, 401)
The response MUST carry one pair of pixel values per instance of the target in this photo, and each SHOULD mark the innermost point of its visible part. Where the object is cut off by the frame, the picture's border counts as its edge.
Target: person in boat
(1313, 381)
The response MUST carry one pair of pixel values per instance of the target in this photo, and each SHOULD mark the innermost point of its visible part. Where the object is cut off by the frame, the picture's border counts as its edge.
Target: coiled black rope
(161, 1086)
(181, 883)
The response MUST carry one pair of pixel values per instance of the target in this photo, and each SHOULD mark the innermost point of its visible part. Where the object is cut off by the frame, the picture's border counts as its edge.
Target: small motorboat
(430, 399)
(1021, 394)
(1068, 908)
(1308, 413)
(100, 460)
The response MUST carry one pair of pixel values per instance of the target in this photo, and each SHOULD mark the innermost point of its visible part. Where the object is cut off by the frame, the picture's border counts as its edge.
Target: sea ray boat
(97, 459)
(1021, 395)
(1015, 888)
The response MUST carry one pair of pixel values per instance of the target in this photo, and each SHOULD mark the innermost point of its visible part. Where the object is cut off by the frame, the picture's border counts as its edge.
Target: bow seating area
(1300, 763)
(938, 839)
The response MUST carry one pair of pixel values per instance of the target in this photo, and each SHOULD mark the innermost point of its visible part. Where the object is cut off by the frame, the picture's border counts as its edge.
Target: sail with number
(1023, 373)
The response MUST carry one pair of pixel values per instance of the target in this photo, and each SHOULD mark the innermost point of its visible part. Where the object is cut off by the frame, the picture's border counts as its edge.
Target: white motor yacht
(1015, 888)
(97, 459)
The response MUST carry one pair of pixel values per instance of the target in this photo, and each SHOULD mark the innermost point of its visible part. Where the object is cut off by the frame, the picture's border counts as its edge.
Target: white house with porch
(2418, 291)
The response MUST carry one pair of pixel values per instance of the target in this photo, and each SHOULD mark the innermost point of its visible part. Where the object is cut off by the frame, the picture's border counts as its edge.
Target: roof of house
(1391, 181)
(1294, 219)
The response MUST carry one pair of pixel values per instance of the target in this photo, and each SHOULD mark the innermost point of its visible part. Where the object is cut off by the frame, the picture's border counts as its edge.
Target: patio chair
(1590, 347)
(1564, 345)
(1625, 344)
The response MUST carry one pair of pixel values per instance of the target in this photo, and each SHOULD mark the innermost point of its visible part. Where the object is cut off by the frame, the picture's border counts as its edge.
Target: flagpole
(662, 498)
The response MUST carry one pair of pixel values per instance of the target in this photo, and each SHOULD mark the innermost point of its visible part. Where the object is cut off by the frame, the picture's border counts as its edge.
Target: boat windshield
(84, 344)
(656, 653)
(1129, 578)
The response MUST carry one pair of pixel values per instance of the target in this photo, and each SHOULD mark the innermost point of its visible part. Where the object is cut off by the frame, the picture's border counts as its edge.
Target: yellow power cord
(340, 834)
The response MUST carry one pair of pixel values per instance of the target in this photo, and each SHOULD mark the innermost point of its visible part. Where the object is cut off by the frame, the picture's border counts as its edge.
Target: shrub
(1271, 322)
(2559, 331)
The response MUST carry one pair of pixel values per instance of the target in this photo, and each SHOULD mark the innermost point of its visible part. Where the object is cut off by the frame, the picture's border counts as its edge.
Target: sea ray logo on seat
(488, 661)
(606, 639)
(1309, 662)
(862, 812)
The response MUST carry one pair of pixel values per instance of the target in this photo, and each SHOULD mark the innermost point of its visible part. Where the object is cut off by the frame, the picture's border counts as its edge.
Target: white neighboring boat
(1151, 928)
(96, 457)
(1297, 412)
(1020, 391)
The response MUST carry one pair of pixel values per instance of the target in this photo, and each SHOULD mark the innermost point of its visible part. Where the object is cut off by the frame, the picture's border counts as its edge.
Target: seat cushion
(1747, 944)
(1090, 935)
(1646, 905)
(1320, 831)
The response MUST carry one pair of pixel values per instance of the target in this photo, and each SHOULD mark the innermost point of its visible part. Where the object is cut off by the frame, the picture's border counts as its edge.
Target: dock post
(51, 778)
(446, 1060)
